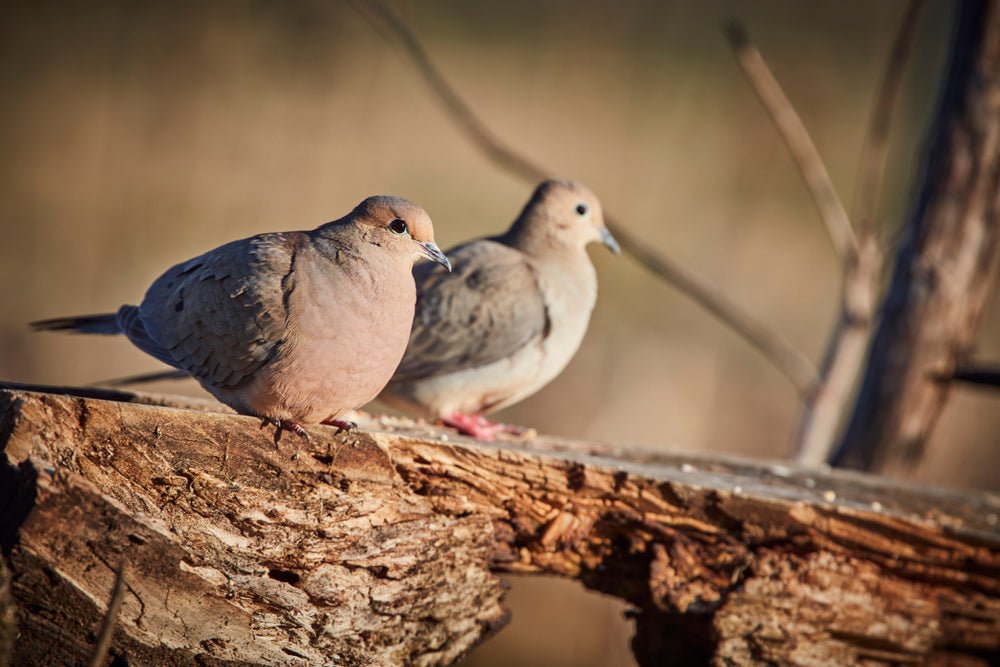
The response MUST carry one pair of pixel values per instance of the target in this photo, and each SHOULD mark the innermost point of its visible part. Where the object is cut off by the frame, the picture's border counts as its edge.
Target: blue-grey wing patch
(486, 309)
(221, 316)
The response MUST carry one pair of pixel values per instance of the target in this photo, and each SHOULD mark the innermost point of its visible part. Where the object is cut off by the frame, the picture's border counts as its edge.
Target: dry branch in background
(380, 547)
(797, 139)
(774, 347)
(824, 412)
(826, 405)
(875, 149)
(827, 399)
(947, 265)
(988, 376)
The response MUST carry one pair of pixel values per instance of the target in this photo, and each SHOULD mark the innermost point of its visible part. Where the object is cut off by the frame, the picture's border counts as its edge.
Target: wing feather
(486, 309)
(194, 316)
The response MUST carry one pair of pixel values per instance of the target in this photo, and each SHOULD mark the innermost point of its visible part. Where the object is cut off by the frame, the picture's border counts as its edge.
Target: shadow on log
(382, 546)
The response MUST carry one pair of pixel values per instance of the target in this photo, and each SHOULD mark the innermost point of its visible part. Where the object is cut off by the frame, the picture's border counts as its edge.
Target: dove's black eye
(581, 208)
(398, 226)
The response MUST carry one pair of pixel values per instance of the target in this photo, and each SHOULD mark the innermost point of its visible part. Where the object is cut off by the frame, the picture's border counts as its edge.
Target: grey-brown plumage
(508, 318)
(293, 327)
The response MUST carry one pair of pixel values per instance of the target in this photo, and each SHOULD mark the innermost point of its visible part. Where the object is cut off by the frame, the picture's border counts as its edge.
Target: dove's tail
(106, 323)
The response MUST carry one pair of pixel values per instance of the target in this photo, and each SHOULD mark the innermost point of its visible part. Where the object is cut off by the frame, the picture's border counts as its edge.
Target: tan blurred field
(136, 135)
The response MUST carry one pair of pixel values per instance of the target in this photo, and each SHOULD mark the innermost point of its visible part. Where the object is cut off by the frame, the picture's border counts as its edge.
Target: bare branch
(780, 352)
(456, 107)
(110, 619)
(797, 138)
(984, 375)
(947, 265)
(875, 149)
(787, 359)
(824, 409)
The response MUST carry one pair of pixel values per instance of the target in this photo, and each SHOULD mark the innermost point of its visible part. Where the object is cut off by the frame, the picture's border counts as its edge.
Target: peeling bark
(382, 546)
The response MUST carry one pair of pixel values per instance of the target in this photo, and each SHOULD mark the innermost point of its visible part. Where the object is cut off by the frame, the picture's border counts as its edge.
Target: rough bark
(947, 265)
(381, 546)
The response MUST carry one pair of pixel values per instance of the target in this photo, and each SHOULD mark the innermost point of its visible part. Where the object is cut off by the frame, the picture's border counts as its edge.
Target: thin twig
(786, 358)
(797, 138)
(795, 365)
(456, 107)
(875, 149)
(823, 412)
(110, 619)
(984, 375)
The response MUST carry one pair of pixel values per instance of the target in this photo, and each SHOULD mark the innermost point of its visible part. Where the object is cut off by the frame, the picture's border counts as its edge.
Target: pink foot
(340, 424)
(281, 425)
(477, 426)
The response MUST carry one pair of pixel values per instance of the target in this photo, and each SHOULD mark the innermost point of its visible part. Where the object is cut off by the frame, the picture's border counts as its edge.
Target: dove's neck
(565, 274)
(336, 239)
(541, 239)
(341, 242)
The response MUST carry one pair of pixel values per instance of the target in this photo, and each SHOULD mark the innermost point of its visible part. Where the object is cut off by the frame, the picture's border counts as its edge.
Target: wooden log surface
(382, 546)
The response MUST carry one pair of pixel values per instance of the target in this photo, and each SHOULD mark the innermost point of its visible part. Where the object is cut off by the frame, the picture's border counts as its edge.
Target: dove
(291, 327)
(508, 318)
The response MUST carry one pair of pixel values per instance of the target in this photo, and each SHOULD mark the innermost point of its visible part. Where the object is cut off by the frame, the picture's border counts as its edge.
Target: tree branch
(775, 348)
(983, 375)
(823, 412)
(948, 263)
(797, 138)
(875, 149)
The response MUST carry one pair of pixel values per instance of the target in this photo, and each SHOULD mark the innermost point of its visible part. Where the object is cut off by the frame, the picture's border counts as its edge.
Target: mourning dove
(292, 327)
(510, 316)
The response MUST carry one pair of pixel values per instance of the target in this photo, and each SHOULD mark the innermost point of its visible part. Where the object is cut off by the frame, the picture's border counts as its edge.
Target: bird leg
(340, 424)
(478, 426)
(285, 425)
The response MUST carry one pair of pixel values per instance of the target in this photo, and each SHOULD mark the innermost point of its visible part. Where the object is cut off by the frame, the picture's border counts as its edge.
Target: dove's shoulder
(221, 315)
(486, 309)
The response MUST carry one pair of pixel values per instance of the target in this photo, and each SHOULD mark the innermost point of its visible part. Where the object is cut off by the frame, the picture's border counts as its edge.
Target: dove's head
(398, 225)
(561, 215)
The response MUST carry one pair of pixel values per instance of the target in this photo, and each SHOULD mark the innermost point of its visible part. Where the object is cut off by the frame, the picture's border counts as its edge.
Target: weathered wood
(946, 266)
(376, 546)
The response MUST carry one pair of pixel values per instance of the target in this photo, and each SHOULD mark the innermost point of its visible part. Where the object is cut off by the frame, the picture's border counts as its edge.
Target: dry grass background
(135, 135)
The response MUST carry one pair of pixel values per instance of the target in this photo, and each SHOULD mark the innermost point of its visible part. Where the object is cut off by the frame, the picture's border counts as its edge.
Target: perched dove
(292, 327)
(509, 317)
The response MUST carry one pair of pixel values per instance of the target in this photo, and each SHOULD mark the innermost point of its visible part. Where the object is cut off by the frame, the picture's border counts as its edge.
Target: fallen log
(383, 546)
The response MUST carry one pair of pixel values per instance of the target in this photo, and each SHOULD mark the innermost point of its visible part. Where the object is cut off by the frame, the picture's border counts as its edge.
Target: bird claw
(285, 425)
(479, 427)
(340, 424)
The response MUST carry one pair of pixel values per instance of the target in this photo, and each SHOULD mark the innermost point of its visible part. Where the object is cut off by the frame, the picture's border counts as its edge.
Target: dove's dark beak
(609, 240)
(433, 253)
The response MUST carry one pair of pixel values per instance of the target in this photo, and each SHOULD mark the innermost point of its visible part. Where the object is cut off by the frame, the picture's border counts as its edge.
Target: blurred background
(136, 135)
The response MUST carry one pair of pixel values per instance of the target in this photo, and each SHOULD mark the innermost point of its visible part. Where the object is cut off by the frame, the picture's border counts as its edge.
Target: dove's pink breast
(348, 329)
